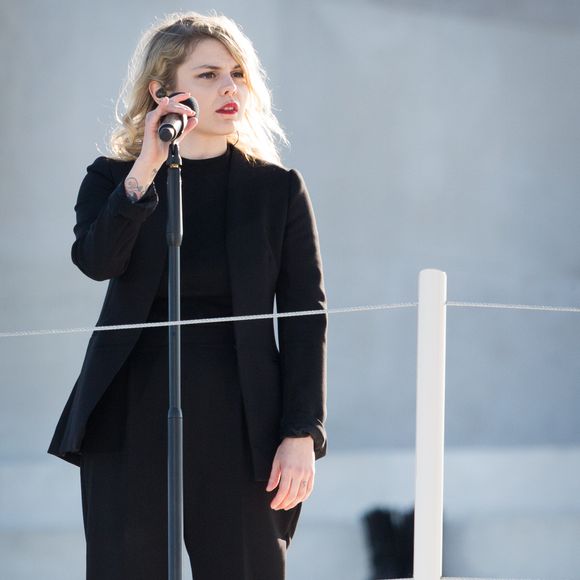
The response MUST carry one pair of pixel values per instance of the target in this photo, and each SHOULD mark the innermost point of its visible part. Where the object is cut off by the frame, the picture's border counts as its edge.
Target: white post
(428, 545)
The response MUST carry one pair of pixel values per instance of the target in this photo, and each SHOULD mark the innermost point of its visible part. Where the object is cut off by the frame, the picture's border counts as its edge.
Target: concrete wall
(430, 134)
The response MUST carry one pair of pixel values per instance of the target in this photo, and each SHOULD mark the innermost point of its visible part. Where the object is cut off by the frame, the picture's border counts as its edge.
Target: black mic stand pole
(174, 415)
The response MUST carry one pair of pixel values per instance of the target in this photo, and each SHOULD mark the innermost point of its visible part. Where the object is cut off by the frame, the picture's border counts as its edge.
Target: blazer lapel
(243, 236)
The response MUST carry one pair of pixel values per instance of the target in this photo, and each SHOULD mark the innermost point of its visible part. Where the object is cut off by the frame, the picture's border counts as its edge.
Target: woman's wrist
(140, 178)
(305, 436)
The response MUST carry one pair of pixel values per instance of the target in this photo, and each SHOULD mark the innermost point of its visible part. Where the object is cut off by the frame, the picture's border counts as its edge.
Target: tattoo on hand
(133, 189)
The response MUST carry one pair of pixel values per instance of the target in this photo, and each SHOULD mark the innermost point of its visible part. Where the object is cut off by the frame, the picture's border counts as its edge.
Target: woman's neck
(192, 148)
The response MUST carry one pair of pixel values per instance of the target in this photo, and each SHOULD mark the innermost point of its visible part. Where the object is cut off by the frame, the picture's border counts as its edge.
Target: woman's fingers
(181, 96)
(275, 475)
(292, 491)
(153, 147)
(294, 461)
(191, 125)
(167, 105)
(305, 491)
(292, 494)
(283, 489)
(175, 105)
(309, 487)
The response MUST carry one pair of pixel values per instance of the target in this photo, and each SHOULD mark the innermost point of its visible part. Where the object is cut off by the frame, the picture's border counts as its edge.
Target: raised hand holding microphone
(154, 150)
(173, 125)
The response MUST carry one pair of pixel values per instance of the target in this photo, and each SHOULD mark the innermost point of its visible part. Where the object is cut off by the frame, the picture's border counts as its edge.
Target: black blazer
(272, 247)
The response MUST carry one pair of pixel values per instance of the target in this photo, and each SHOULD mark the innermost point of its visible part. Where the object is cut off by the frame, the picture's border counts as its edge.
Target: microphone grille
(166, 133)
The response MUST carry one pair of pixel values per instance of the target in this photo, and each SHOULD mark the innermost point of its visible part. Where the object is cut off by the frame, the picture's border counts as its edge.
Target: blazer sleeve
(107, 222)
(302, 339)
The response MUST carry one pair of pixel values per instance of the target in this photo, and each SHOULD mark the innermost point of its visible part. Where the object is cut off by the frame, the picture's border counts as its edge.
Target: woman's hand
(293, 469)
(154, 151)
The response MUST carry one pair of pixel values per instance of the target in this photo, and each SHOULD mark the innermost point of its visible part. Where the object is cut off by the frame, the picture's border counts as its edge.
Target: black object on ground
(389, 535)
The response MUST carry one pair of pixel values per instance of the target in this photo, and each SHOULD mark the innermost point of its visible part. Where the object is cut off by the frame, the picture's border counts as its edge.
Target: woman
(253, 415)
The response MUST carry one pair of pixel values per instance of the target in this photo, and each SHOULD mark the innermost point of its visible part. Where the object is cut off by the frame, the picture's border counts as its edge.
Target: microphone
(172, 125)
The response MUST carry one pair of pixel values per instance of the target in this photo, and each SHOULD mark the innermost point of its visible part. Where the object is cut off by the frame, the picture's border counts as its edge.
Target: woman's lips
(229, 109)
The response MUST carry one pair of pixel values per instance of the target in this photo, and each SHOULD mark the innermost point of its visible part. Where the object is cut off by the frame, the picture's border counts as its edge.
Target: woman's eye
(238, 74)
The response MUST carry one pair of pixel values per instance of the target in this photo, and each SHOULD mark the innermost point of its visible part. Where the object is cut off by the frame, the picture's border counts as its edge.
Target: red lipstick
(230, 108)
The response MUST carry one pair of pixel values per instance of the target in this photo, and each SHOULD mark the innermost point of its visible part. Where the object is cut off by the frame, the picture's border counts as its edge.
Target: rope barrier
(204, 320)
(275, 315)
(514, 306)
(482, 578)
(472, 578)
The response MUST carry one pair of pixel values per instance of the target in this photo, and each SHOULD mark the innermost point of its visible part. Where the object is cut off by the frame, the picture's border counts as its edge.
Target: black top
(205, 283)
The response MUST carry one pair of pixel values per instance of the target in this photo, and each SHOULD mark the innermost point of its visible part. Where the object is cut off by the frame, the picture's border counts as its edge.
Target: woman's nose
(229, 87)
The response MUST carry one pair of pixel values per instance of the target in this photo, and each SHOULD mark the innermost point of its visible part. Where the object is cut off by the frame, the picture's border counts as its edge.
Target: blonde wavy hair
(163, 48)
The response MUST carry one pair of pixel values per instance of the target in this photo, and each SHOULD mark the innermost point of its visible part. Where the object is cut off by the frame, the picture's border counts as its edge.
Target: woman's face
(215, 80)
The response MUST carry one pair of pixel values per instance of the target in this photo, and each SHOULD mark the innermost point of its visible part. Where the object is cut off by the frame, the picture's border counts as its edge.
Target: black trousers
(230, 531)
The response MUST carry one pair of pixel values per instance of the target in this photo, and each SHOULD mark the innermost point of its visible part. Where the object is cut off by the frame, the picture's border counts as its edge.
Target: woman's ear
(156, 91)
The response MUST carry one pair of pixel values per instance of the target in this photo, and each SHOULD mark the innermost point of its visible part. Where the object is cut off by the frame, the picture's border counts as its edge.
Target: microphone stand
(174, 415)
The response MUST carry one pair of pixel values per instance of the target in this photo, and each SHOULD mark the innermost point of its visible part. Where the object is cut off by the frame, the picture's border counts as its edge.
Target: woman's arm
(108, 222)
(300, 286)
(302, 339)
(110, 213)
